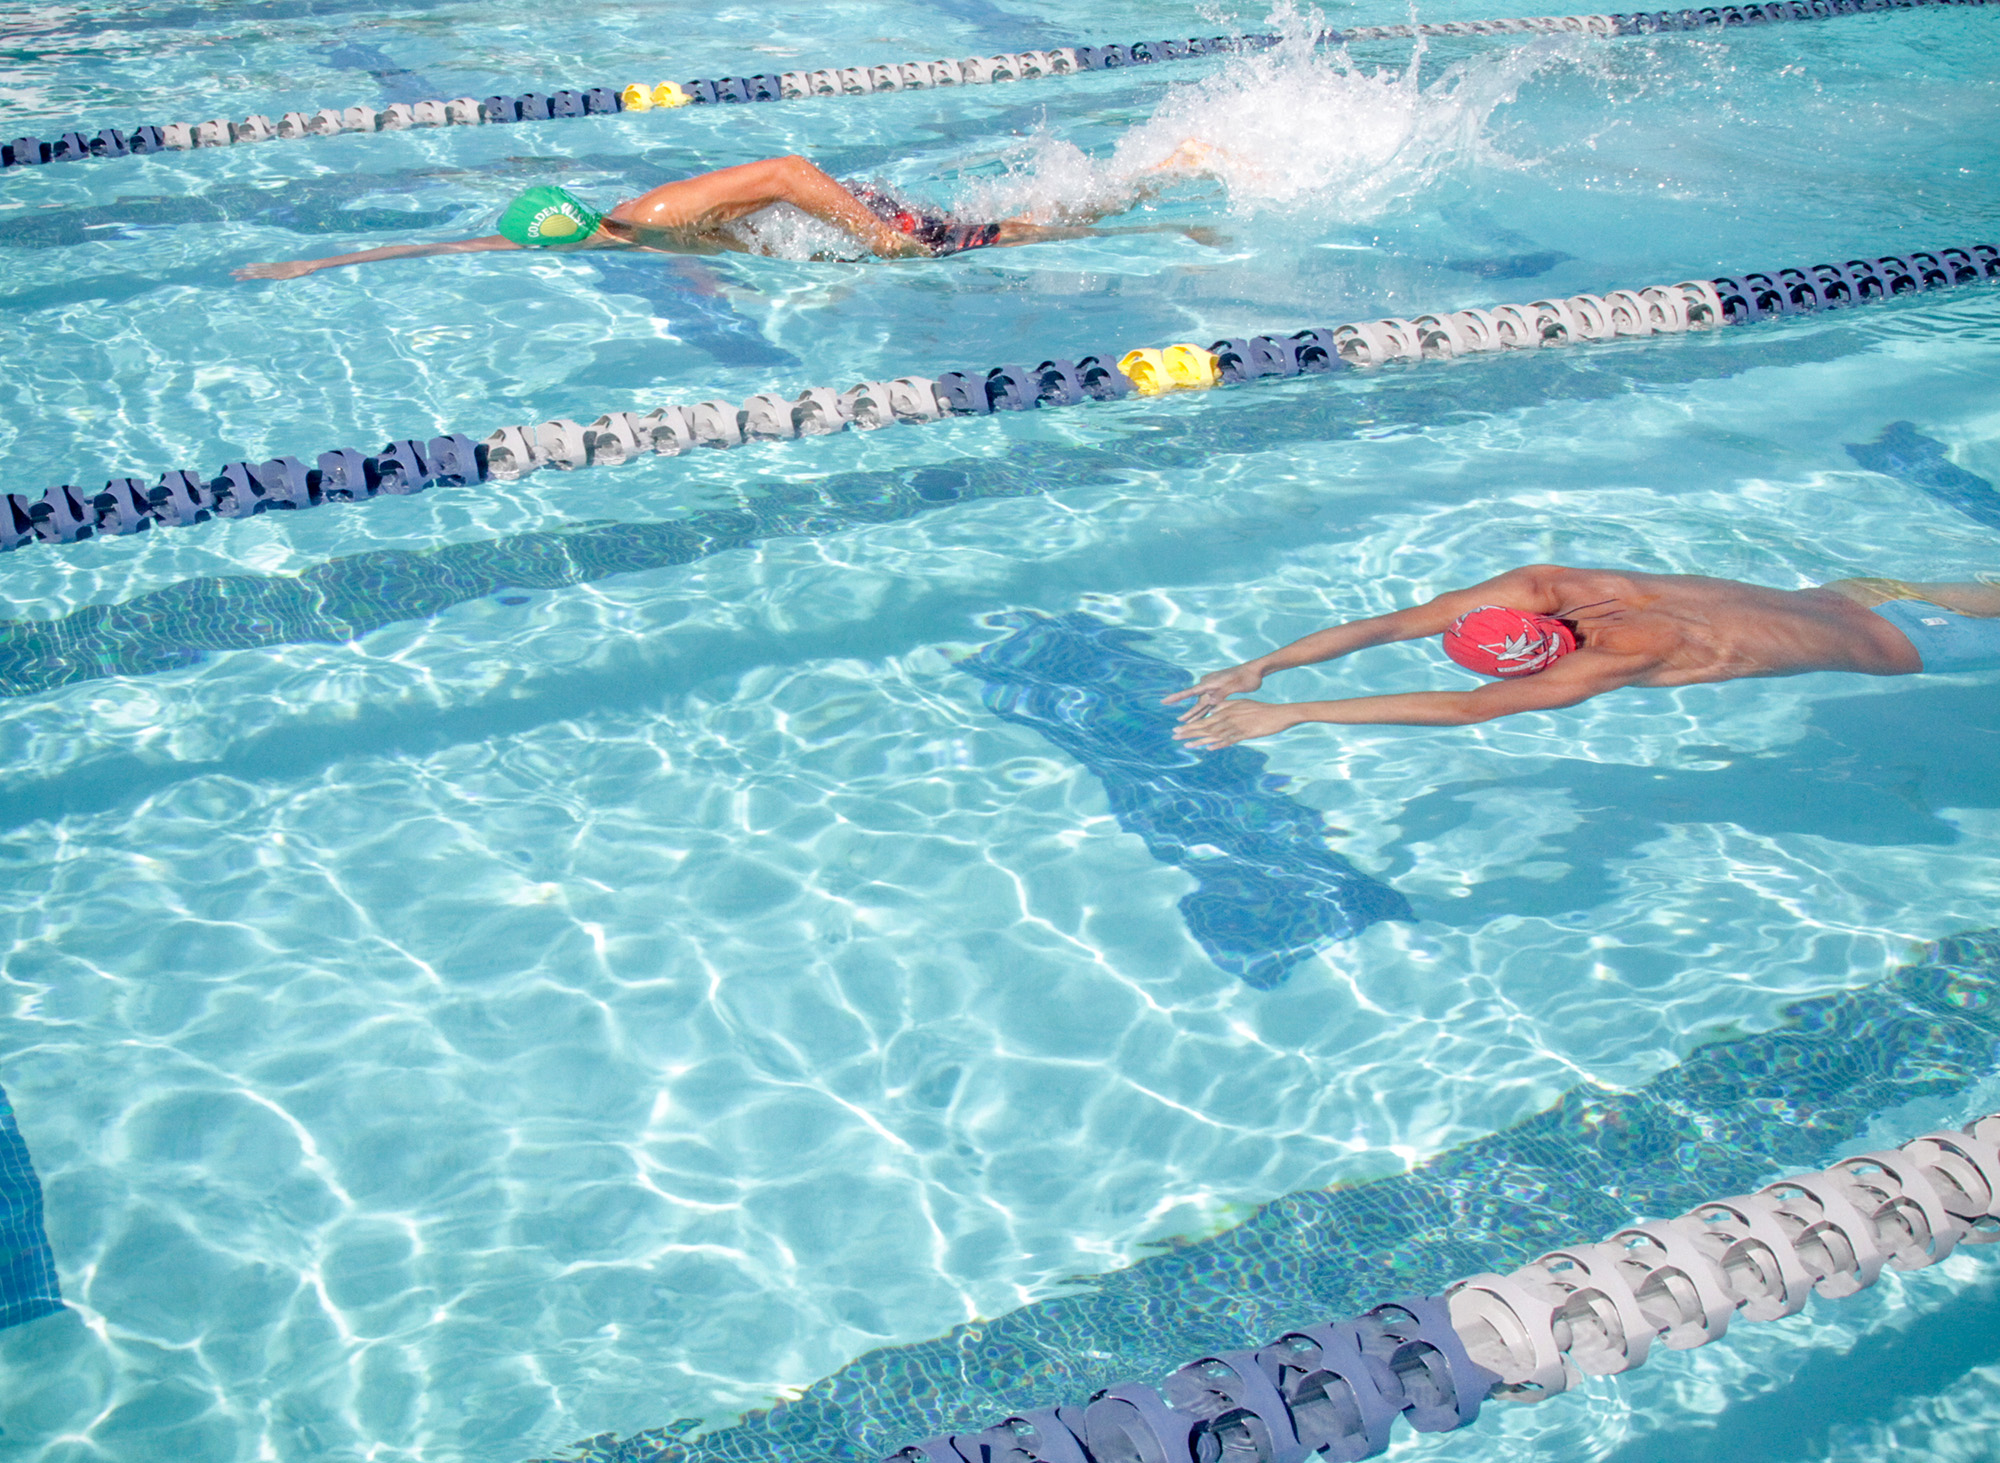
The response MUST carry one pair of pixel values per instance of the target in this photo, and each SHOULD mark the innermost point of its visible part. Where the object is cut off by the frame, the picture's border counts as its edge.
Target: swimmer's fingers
(1215, 688)
(1205, 705)
(1207, 698)
(1239, 721)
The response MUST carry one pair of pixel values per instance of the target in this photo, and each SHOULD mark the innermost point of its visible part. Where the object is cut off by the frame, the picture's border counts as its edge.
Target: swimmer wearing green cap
(546, 218)
(692, 217)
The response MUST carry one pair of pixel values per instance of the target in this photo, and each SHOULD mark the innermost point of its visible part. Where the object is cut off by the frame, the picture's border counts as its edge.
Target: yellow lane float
(1177, 368)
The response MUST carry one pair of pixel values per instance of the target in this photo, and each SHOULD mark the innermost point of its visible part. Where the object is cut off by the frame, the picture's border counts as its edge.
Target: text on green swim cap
(544, 217)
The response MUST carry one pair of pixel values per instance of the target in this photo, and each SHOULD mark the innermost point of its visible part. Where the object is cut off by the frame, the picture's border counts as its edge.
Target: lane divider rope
(66, 514)
(1334, 1391)
(74, 146)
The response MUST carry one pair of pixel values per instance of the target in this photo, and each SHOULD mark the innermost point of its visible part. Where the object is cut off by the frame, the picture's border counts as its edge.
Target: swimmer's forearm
(1211, 727)
(1338, 640)
(1577, 678)
(418, 251)
(1413, 708)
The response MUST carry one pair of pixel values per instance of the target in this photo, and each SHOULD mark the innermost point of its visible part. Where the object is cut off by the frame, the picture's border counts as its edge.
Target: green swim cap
(542, 218)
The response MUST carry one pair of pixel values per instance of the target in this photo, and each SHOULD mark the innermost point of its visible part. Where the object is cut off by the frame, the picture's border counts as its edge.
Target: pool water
(517, 963)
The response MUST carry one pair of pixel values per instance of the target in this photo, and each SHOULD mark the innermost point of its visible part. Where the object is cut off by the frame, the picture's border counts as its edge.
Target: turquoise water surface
(514, 963)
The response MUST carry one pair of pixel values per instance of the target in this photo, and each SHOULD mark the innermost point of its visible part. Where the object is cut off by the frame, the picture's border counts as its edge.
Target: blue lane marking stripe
(1907, 455)
(1271, 891)
(28, 1285)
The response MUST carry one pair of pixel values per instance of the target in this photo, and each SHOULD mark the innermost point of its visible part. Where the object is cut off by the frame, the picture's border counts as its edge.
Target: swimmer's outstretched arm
(1530, 588)
(1576, 677)
(297, 268)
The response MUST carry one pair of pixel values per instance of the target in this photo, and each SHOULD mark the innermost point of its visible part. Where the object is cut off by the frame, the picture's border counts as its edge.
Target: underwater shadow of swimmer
(1269, 890)
(398, 82)
(1511, 266)
(1529, 259)
(1908, 456)
(687, 294)
(1003, 28)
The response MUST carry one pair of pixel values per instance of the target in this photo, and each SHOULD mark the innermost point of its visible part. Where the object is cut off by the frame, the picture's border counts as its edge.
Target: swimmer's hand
(1233, 722)
(285, 269)
(1215, 688)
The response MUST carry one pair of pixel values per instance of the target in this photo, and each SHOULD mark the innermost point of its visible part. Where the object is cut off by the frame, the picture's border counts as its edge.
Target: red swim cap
(1501, 642)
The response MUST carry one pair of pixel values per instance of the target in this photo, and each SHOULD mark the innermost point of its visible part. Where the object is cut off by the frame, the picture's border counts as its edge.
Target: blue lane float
(181, 498)
(590, 101)
(1269, 892)
(67, 513)
(1332, 1391)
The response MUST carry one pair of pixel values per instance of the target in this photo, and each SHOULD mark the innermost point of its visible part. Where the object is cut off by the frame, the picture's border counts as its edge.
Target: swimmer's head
(1495, 641)
(542, 218)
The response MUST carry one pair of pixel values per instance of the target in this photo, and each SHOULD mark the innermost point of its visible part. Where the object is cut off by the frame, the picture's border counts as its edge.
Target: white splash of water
(1296, 129)
(785, 232)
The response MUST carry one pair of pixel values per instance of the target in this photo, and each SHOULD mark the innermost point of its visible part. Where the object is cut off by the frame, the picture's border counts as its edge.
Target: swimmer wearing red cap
(1552, 637)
